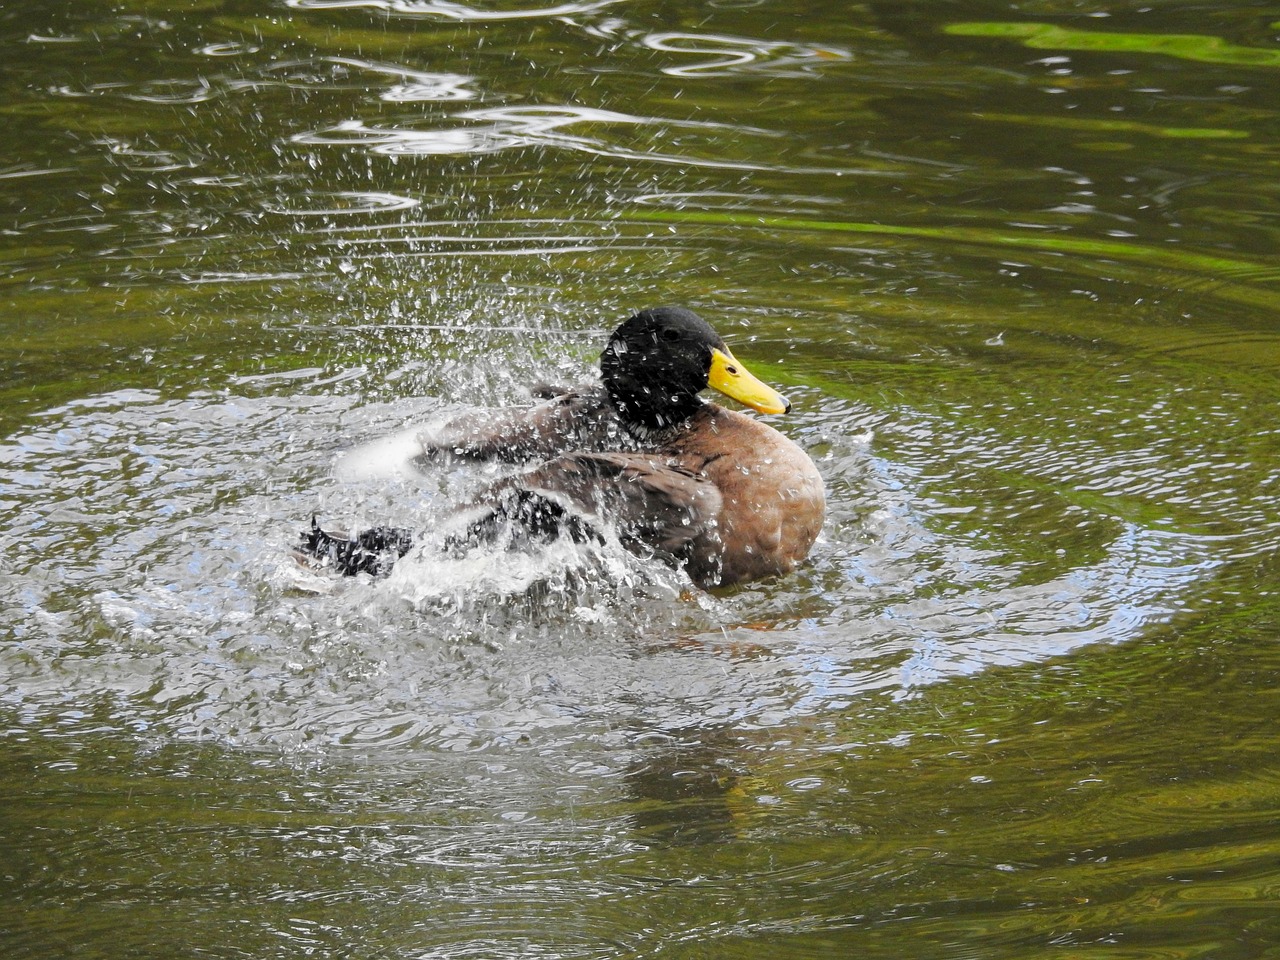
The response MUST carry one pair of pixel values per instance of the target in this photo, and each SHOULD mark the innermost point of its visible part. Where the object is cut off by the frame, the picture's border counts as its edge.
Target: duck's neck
(654, 431)
(653, 436)
(643, 409)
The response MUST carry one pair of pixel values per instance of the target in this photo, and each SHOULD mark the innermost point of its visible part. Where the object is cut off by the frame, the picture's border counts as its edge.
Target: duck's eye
(670, 335)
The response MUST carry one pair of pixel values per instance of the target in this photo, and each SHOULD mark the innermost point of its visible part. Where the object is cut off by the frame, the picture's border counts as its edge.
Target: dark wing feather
(577, 419)
(652, 505)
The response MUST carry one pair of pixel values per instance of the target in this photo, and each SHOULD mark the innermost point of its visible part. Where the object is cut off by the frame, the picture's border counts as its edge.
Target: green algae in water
(1115, 126)
(1185, 46)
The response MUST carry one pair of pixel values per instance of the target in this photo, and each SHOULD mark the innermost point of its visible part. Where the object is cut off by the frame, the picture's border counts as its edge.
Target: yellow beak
(734, 380)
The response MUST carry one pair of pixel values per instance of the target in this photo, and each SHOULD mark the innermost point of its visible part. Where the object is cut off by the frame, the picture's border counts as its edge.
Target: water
(1016, 268)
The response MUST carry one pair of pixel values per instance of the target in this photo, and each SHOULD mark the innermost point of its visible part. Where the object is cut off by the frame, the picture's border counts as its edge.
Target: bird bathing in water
(709, 490)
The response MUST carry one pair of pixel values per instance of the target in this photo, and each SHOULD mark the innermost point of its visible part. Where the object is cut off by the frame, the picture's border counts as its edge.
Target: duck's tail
(372, 551)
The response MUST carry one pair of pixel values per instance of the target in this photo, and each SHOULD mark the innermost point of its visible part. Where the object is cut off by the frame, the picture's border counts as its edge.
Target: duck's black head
(658, 361)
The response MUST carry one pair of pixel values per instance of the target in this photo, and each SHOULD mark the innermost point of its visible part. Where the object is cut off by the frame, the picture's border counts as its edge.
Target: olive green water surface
(1015, 264)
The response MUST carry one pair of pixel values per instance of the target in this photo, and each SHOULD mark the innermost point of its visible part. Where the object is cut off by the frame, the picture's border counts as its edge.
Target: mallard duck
(718, 493)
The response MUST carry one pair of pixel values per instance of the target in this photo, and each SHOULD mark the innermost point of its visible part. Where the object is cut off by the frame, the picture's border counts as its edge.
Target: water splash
(173, 596)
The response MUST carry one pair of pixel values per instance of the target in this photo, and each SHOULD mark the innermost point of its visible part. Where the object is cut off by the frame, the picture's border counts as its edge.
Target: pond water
(1017, 267)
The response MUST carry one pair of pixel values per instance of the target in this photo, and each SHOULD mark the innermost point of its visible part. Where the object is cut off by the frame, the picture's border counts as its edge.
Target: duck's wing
(652, 506)
(574, 419)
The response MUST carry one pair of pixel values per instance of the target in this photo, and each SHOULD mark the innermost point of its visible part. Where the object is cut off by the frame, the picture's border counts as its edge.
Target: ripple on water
(449, 10)
(407, 84)
(346, 203)
(732, 56)
(182, 92)
(606, 133)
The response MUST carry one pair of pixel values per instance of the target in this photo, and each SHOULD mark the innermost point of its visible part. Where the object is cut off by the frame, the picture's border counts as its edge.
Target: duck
(638, 453)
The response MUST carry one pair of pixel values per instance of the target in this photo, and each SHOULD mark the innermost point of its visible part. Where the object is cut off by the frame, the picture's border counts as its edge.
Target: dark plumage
(718, 493)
